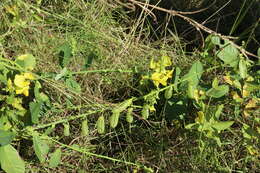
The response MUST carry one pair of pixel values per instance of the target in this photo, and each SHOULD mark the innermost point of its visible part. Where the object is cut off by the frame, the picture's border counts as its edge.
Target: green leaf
(218, 92)
(35, 108)
(63, 72)
(168, 93)
(211, 41)
(258, 52)
(6, 137)
(10, 160)
(40, 147)
(26, 61)
(228, 54)
(55, 158)
(191, 91)
(219, 111)
(223, 125)
(40, 96)
(242, 68)
(65, 53)
(194, 74)
(73, 85)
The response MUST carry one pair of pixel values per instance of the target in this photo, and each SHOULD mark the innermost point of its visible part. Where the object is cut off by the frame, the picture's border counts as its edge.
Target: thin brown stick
(197, 25)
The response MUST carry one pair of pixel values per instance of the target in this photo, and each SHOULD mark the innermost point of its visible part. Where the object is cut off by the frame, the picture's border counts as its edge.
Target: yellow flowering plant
(160, 74)
(18, 100)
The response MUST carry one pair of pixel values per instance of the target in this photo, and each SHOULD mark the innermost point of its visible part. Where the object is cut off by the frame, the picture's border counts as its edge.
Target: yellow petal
(24, 91)
(163, 80)
(169, 73)
(152, 64)
(28, 76)
(19, 81)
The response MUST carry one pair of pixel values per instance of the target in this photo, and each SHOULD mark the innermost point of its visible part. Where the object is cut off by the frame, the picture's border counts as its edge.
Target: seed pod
(122, 106)
(66, 130)
(129, 115)
(84, 128)
(145, 111)
(101, 124)
(114, 118)
(168, 93)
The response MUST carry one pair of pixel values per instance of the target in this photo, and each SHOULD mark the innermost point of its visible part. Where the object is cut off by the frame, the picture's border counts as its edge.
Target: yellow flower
(22, 83)
(161, 78)
(166, 61)
(24, 90)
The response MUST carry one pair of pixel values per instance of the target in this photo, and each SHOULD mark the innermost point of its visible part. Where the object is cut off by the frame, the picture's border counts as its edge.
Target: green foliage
(10, 160)
(55, 158)
(213, 97)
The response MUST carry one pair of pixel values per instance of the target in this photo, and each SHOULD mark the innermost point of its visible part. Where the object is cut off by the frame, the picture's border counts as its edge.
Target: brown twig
(197, 25)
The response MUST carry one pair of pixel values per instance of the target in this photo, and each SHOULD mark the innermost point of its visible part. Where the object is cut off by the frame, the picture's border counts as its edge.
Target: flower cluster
(21, 83)
(161, 74)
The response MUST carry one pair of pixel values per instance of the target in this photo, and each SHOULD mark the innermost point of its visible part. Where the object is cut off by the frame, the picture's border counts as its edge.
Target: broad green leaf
(219, 111)
(194, 74)
(73, 85)
(215, 40)
(27, 61)
(37, 88)
(218, 92)
(211, 41)
(35, 108)
(6, 137)
(258, 52)
(10, 160)
(219, 126)
(168, 93)
(55, 158)
(229, 54)
(41, 148)
(65, 52)
(242, 68)
(192, 91)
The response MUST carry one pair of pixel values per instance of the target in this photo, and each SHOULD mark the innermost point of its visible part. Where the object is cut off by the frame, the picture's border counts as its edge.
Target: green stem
(102, 71)
(95, 155)
(67, 119)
